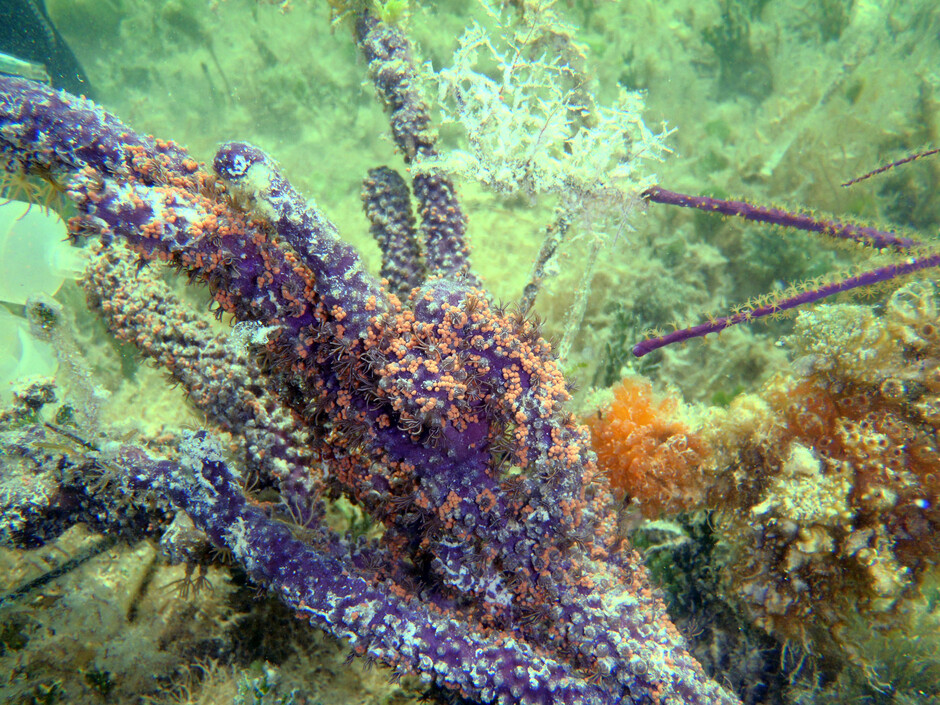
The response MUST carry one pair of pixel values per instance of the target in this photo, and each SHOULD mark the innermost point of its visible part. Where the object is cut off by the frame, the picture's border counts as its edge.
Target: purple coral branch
(343, 285)
(876, 276)
(139, 308)
(387, 204)
(864, 235)
(327, 591)
(521, 589)
(880, 170)
(443, 223)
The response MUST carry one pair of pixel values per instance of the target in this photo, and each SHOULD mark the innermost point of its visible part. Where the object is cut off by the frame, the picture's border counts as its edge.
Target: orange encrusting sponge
(649, 455)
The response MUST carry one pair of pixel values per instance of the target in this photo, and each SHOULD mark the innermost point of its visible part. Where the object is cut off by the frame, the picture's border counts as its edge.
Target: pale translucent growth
(196, 448)
(889, 578)
(22, 357)
(247, 334)
(51, 326)
(533, 129)
(237, 540)
(35, 256)
(908, 309)
(255, 184)
(847, 339)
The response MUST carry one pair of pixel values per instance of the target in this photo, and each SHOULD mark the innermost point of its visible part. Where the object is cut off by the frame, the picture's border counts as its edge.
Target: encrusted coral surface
(853, 84)
(831, 498)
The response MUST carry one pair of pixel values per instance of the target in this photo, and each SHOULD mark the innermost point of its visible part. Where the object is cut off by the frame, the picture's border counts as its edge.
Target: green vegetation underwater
(780, 480)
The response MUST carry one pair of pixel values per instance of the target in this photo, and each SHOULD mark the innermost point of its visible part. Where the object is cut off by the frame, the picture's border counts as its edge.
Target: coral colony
(500, 574)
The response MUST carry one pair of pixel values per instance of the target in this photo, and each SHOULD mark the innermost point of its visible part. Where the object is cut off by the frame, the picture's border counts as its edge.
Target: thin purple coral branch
(880, 170)
(864, 235)
(875, 276)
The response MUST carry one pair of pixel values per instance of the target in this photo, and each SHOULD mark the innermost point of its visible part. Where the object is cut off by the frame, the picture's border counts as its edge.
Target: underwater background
(714, 445)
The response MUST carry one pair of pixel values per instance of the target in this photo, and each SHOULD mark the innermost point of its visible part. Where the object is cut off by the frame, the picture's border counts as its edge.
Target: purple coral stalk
(139, 308)
(864, 235)
(892, 165)
(502, 584)
(443, 223)
(340, 280)
(387, 203)
(327, 591)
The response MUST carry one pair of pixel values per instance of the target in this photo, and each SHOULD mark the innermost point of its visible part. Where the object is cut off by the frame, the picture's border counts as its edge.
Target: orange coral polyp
(647, 453)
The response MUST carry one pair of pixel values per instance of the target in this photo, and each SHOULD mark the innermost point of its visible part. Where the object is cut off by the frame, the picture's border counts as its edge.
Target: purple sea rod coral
(500, 574)
(919, 257)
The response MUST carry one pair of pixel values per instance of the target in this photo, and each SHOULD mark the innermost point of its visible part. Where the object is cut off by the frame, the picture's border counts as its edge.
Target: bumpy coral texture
(831, 502)
(651, 457)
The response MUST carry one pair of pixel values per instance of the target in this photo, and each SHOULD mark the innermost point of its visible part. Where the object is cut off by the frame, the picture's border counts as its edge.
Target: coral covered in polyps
(831, 481)
(495, 571)
(650, 455)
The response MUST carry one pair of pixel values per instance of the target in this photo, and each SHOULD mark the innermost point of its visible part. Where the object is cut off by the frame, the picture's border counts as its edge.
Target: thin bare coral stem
(892, 165)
